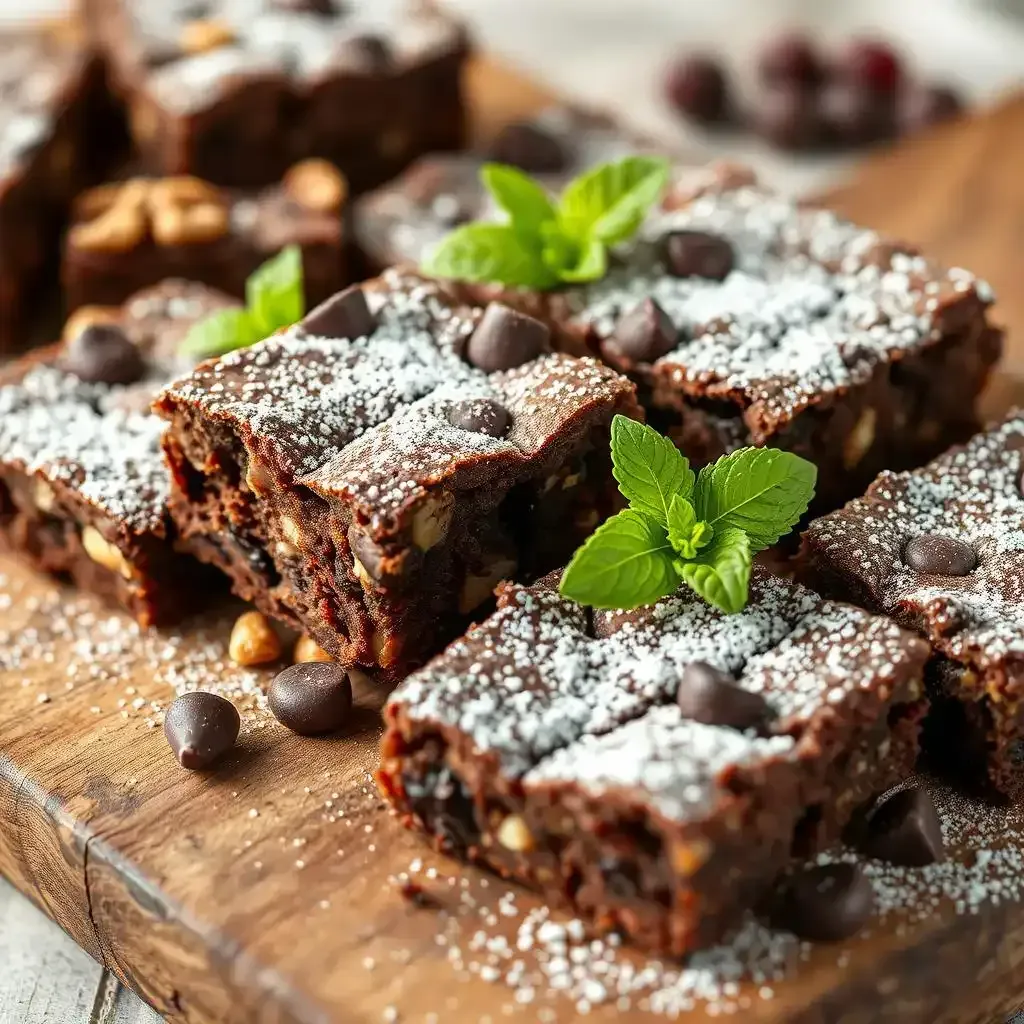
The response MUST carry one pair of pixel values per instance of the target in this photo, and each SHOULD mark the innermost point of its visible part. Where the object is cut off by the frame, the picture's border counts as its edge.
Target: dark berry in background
(791, 59)
(789, 118)
(873, 65)
(922, 106)
(698, 87)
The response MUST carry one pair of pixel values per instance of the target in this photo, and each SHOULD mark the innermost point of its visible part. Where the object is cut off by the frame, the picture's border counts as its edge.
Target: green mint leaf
(721, 572)
(763, 491)
(625, 563)
(490, 252)
(220, 333)
(591, 265)
(274, 293)
(686, 533)
(610, 202)
(649, 468)
(523, 199)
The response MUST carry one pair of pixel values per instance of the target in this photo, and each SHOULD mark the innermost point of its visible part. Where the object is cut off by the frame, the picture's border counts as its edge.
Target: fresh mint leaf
(762, 491)
(274, 293)
(625, 563)
(649, 468)
(591, 266)
(686, 533)
(490, 252)
(609, 203)
(220, 333)
(721, 572)
(523, 199)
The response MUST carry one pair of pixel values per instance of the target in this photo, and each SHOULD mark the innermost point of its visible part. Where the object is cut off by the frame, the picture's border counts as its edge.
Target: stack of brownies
(370, 474)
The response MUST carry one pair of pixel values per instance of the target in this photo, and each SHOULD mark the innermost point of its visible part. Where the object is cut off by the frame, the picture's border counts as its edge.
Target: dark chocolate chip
(529, 148)
(387, 569)
(942, 556)
(905, 829)
(345, 315)
(644, 334)
(414, 893)
(368, 51)
(825, 903)
(312, 697)
(481, 415)
(698, 254)
(441, 801)
(201, 727)
(711, 696)
(103, 354)
(506, 338)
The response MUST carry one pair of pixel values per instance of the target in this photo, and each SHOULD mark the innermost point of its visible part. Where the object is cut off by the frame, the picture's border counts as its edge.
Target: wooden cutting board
(267, 891)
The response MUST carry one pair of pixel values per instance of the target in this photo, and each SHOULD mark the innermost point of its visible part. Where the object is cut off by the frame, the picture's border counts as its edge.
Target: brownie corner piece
(372, 473)
(653, 770)
(941, 550)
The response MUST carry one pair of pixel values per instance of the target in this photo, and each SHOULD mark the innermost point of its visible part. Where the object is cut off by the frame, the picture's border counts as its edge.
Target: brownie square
(360, 476)
(548, 745)
(83, 484)
(941, 550)
(234, 91)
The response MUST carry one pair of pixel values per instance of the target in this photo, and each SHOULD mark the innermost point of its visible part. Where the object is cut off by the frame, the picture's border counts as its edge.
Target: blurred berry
(789, 117)
(925, 105)
(855, 116)
(697, 86)
(873, 65)
(791, 59)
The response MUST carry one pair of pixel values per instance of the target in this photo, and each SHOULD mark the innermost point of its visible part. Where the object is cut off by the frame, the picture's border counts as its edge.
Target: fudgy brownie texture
(372, 473)
(58, 134)
(653, 770)
(746, 319)
(83, 484)
(131, 234)
(235, 91)
(941, 550)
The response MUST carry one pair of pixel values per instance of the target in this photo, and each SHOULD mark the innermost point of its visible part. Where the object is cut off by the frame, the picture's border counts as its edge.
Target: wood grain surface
(265, 892)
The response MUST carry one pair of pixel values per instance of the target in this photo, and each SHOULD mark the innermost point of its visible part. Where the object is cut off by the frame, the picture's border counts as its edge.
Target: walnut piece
(253, 640)
(317, 185)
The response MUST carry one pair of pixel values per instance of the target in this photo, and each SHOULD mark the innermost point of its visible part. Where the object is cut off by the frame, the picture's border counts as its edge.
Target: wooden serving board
(265, 892)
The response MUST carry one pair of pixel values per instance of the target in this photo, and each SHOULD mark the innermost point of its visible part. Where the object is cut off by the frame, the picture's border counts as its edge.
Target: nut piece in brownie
(236, 90)
(57, 134)
(941, 550)
(372, 473)
(131, 234)
(653, 770)
(748, 319)
(83, 484)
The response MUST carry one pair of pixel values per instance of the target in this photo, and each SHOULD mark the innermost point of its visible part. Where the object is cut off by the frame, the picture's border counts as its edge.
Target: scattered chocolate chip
(708, 695)
(529, 148)
(481, 415)
(345, 315)
(825, 903)
(924, 106)
(789, 118)
(388, 569)
(103, 354)
(644, 334)
(201, 727)
(943, 556)
(414, 893)
(368, 51)
(312, 697)
(698, 254)
(791, 59)
(698, 87)
(905, 829)
(506, 338)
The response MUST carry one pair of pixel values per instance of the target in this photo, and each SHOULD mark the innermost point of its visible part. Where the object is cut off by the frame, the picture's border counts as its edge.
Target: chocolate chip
(942, 556)
(698, 254)
(414, 893)
(481, 415)
(103, 354)
(825, 903)
(644, 334)
(530, 149)
(312, 697)
(905, 829)
(383, 567)
(442, 802)
(709, 695)
(506, 338)
(200, 727)
(368, 51)
(345, 315)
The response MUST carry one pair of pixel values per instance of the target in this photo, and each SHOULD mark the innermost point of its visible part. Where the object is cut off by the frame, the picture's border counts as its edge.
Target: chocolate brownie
(746, 318)
(653, 770)
(83, 484)
(131, 234)
(57, 134)
(235, 91)
(941, 550)
(372, 473)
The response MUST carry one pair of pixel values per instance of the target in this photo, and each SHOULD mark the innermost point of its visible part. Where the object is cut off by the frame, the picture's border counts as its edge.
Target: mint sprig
(543, 243)
(275, 298)
(702, 531)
